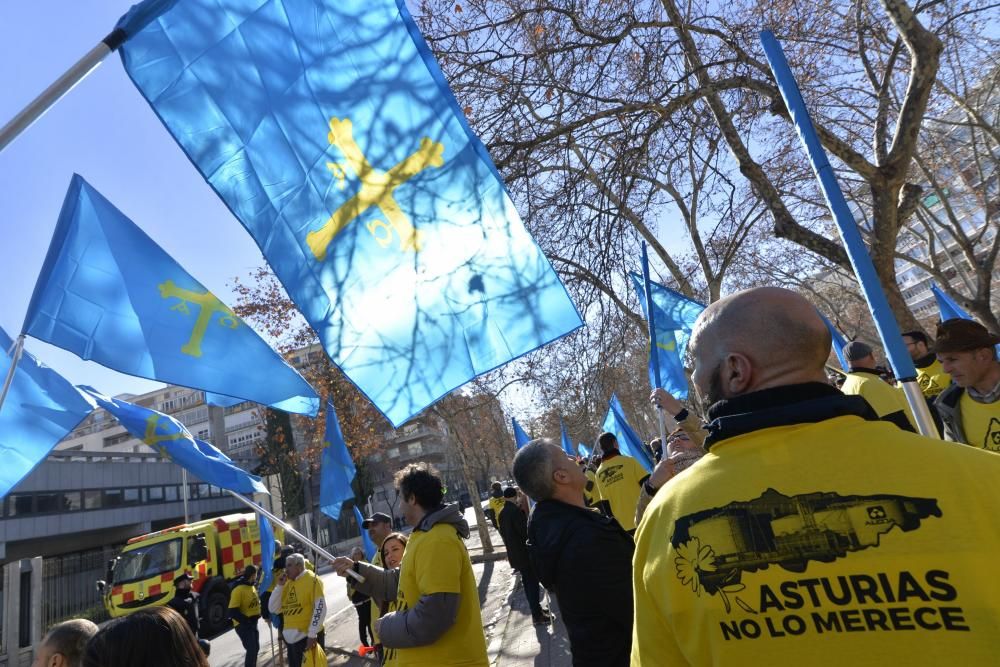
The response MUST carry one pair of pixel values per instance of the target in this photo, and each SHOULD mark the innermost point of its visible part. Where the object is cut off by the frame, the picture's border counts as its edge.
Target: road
(228, 652)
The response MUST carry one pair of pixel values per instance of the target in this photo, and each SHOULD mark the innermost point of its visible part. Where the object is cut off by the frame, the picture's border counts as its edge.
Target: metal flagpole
(885, 323)
(184, 492)
(65, 83)
(17, 349)
(288, 529)
(654, 355)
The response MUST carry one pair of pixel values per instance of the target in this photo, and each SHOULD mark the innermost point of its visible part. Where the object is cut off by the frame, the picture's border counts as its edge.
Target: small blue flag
(366, 541)
(330, 132)
(838, 343)
(169, 437)
(673, 321)
(40, 410)
(582, 450)
(337, 469)
(629, 443)
(567, 444)
(520, 437)
(950, 310)
(109, 293)
(266, 552)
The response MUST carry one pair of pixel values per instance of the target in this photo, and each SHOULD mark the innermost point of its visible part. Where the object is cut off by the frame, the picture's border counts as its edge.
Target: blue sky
(103, 130)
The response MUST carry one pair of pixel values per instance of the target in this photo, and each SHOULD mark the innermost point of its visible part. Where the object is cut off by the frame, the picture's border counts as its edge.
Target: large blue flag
(629, 442)
(336, 470)
(366, 541)
(266, 552)
(169, 437)
(41, 408)
(674, 316)
(109, 293)
(567, 444)
(330, 132)
(520, 437)
(583, 450)
(838, 343)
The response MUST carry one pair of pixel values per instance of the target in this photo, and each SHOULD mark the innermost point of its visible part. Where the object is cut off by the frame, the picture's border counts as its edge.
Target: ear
(560, 476)
(737, 374)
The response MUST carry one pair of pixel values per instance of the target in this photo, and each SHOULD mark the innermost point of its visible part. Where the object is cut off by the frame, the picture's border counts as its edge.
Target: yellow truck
(213, 551)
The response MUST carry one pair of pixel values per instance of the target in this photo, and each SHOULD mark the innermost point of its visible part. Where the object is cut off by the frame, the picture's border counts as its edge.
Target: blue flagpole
(885, 323)
(654, 357)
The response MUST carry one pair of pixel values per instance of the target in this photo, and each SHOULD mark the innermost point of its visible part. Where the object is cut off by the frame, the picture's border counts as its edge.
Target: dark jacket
(514, 531)
(950, 412)
(585, 558)
(186, 604)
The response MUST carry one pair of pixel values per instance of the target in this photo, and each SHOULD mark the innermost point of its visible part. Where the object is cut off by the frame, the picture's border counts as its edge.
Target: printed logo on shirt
(717, 548)
(928, 385)
(611, 474)
(992, 440)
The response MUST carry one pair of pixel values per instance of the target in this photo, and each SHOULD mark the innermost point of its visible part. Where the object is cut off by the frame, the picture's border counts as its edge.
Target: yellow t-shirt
(841, 542)
(244, 599)
(298, 600)
(882, 396)
(981, 422)
(932, 379)
(436, 561)
(591, 492)
(496, 504)
(618, 481)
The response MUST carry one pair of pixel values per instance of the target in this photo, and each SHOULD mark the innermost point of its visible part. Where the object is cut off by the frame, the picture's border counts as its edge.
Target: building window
(203, 491)
(132, 496)
(394, 453)
(111, 498)
(154, 494)
(416, 449)
(72, 501)
(19, 504)
(117, 439)
(171, 493)
(47, 503)
(92, 500)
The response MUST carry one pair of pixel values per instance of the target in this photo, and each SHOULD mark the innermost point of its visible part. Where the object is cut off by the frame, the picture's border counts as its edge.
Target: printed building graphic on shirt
(716, 546)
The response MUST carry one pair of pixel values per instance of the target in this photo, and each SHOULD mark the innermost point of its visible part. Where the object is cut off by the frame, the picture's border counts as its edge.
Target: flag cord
(48, 97)
(18, 349)
(288, 529)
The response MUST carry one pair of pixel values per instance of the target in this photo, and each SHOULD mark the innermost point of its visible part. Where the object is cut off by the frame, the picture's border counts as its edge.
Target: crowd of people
(795, 522)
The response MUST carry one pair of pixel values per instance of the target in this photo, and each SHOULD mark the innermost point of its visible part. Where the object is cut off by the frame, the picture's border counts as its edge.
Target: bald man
(811, 532)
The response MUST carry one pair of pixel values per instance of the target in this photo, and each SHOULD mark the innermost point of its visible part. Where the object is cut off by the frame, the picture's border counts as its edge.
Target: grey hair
(295, 559)
(69, 639)
(533, 469)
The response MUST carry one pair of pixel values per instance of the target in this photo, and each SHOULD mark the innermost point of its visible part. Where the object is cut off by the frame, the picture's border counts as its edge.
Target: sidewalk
(511, 639)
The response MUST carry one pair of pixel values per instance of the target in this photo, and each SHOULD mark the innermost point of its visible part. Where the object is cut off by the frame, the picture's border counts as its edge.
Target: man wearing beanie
(863, 380)
(970, 407)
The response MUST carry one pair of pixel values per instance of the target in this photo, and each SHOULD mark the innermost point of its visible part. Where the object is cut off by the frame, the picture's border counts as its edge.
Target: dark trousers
(296, 652)
(247, 632)
(364, 620)
(532, 591)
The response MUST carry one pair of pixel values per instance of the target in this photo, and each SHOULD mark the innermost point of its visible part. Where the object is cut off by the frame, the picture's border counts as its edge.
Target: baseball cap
(378, 517)
(957, 335)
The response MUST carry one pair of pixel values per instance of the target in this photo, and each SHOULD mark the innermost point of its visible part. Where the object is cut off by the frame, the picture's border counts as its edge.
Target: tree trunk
(883, 253)
(484, 533)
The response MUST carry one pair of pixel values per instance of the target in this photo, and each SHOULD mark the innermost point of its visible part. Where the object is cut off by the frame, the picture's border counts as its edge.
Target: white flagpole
(18, 349)
(288, 529)
(65, 83)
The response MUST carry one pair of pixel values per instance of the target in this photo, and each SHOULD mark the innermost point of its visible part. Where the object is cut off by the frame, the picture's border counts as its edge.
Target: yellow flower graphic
(692, 559)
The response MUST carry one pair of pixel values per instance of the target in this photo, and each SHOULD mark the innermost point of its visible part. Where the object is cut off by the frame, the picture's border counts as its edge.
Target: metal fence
(68, 586)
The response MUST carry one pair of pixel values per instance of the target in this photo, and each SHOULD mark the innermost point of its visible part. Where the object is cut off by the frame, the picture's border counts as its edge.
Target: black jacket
(514, 531)
(585, 558)
(186, 604)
